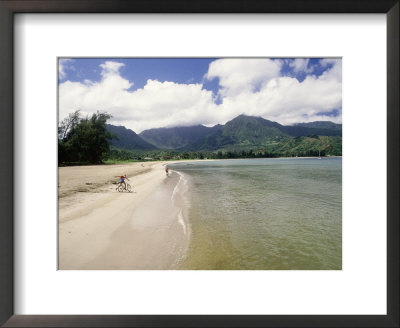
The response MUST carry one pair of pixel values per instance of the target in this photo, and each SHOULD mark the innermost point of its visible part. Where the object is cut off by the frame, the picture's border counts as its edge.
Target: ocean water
(260, 214)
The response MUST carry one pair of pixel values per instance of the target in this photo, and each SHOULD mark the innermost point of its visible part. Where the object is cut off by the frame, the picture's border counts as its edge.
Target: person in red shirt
(122, 181)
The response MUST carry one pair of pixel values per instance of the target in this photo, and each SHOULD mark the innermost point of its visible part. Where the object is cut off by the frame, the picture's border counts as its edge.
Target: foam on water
(181, 221)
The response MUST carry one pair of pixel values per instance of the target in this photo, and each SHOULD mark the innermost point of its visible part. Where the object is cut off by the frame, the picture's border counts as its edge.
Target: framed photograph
(211, 180)
(183, 164)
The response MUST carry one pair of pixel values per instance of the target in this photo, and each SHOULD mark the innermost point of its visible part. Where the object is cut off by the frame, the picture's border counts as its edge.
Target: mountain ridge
(241, 133)
(127, 139)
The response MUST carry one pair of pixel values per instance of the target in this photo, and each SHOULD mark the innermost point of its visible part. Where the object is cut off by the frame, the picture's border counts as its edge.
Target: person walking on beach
(166, 170)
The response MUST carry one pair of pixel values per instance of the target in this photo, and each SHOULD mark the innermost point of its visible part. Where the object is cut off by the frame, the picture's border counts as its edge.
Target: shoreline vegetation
(119, 155)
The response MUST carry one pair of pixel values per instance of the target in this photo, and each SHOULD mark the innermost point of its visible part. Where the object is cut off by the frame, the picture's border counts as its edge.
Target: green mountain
(175, 138)
(241, 133)
(250, 129)
(127, 139)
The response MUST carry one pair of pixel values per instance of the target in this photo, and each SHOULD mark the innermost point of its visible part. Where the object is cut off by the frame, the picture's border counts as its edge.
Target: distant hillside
(322, 125)
(127, 139)
(321, 128)
(175, 138)
(242, 132)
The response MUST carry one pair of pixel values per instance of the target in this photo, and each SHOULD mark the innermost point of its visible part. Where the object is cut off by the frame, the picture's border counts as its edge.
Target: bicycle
(128, 188)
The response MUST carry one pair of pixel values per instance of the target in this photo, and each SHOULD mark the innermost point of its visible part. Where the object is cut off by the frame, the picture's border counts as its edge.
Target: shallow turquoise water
(264, 214)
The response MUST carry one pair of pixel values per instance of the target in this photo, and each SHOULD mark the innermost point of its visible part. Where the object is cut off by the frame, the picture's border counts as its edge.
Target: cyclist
(122, 179)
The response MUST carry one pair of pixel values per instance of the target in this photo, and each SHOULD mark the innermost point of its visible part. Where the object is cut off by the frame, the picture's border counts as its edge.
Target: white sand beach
(101, 228)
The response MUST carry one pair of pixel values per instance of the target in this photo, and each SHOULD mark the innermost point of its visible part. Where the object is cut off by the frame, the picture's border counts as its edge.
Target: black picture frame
(10, 7)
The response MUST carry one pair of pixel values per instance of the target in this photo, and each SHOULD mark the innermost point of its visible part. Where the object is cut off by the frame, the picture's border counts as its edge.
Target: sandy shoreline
(100, 228)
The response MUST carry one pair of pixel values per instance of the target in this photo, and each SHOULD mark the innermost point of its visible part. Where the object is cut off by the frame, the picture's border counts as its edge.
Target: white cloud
(158, 104)
(253, 87)
(300, 65)
(335, 72)
(288, 101)
(110, 68)
(242, 75)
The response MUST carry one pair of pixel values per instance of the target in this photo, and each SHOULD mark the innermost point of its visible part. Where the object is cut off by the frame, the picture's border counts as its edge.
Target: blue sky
(179, 70)
(139, 70)
(143, 93)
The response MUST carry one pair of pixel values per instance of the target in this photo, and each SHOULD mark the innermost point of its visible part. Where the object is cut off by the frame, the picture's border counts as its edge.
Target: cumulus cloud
(242, 75)
(250, 86)
(110, 68)
(158, 104)
(282, 98)
(335, 72)
(288, 101)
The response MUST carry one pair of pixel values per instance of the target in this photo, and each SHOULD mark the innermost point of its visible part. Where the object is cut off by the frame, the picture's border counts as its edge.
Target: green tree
(67, 124)
(84, 140)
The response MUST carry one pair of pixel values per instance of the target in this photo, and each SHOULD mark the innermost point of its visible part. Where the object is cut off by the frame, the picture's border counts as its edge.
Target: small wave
(182, 221)
(181, 186)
